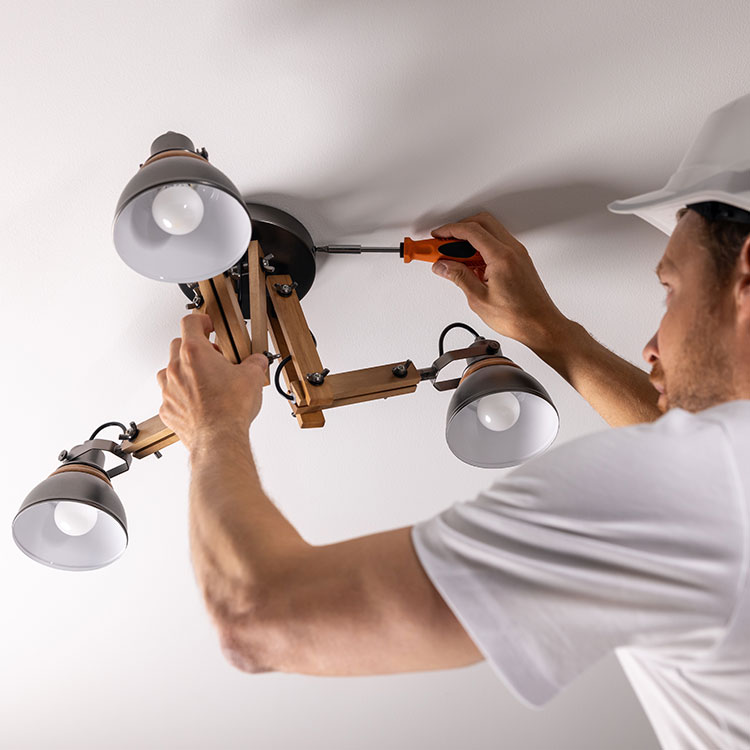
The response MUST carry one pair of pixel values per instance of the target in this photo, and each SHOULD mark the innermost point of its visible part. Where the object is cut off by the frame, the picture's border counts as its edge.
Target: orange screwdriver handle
(437, 249)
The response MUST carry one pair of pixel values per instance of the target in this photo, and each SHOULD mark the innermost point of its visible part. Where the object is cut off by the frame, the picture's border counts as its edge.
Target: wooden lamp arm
(221, 305)
(288, 329)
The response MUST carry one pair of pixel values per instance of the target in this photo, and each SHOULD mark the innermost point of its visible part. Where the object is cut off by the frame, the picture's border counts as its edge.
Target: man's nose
(651, 350)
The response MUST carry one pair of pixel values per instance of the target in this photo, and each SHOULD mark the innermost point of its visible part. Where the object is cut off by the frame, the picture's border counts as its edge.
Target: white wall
(368, 122)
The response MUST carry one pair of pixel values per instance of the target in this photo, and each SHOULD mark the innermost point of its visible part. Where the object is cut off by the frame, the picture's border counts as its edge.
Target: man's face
(691, 353)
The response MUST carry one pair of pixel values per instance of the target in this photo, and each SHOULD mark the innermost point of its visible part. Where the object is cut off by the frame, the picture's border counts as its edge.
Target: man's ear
(742, 284)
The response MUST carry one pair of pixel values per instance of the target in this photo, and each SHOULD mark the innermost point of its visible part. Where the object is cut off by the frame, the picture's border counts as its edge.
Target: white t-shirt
(634, 539)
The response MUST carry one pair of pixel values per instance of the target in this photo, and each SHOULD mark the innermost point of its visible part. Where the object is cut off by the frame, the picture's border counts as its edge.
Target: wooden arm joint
(284, 320)
(356, 386)
(220, 303)
(293, 328)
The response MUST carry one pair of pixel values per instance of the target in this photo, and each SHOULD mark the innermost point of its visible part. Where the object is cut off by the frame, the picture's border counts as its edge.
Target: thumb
(462, 276)
(259, 360)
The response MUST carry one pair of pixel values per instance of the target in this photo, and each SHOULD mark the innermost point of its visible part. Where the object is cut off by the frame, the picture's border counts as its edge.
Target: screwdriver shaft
(356, 249)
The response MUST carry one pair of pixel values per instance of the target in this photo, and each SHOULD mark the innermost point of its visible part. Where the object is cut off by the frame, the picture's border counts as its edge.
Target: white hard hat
(715, 168)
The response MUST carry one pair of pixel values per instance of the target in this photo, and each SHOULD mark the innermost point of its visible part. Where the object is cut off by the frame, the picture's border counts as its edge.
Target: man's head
(700, 355)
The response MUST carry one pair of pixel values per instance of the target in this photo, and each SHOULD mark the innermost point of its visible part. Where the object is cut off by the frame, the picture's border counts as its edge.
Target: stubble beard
(705, 374)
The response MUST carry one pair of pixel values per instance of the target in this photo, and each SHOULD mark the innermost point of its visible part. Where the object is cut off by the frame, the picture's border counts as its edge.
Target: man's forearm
(617, 389)
(240, 542)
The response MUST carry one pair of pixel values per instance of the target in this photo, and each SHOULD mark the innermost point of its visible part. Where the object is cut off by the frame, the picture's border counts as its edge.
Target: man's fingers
(484, 219)
(261, 360)
(475, 234)
(174, 350)
(488, 222)
(196, 326)
(493, 225)
(466, 279)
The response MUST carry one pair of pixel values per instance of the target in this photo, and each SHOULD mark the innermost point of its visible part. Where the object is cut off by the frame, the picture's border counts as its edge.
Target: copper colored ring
(173, 152)
(486, 363)
(98, 473)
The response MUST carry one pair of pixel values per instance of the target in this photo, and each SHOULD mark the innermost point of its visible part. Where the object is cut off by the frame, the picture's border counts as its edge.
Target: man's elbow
(248, 653)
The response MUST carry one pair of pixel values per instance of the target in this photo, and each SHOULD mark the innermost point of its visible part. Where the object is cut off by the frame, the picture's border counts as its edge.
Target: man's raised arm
(512, 300)
(364, 606)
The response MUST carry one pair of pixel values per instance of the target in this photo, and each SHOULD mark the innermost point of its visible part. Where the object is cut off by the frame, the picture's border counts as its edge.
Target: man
(634, 539)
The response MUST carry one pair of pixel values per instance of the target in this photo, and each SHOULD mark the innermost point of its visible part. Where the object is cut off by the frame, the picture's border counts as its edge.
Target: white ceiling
(368, 122)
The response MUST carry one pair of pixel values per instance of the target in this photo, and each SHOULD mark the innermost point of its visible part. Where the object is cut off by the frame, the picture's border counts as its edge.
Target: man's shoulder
(679, 458)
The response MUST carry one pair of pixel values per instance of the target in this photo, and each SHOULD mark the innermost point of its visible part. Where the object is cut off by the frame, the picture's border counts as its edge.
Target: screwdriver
(428, 250)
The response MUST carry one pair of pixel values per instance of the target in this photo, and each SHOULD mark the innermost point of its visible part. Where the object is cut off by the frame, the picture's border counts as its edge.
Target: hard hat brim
(659, 206)
(716, 167)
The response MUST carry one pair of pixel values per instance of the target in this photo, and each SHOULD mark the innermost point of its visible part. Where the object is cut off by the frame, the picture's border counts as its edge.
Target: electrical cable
(280, 367)
(448, 328)
(108, 424)
(278, 375)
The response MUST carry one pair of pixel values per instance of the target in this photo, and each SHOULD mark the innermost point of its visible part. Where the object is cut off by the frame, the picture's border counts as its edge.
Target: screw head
(63, 455)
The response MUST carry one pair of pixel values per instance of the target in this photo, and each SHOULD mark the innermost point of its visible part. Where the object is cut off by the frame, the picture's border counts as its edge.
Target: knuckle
(172, 369)
(188, 349)
(502, 262)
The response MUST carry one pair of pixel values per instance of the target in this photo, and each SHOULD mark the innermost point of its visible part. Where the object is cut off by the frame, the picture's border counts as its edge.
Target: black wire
(276, 377)
(282, 364)
(108, 424)
(448, 328)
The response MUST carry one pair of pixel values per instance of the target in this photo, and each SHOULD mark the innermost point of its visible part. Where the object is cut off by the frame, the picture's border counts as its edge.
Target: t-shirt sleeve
(628, 537)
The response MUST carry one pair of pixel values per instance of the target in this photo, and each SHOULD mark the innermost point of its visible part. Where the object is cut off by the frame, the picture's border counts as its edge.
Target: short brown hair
(723, 240)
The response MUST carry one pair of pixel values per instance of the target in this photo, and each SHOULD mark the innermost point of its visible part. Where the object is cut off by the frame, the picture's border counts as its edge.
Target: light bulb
(75, 519)
(498, 411)
(177, 209)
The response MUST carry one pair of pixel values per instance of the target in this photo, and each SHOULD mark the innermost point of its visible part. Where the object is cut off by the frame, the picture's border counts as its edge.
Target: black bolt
(285, 290)
(63, 455)
(317, 378)
(158, 454)
(400, 371)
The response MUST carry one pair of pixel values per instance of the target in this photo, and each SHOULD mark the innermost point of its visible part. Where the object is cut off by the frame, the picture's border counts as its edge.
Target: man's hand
(204, 393)
(508, 295)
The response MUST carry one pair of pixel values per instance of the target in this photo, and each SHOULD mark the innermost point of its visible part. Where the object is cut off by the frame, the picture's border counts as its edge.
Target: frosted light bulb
(177, 209)
(75, 519)
(498, 411)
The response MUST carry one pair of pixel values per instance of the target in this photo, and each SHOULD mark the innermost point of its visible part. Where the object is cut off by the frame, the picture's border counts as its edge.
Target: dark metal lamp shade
(533, 431)
(218, 241)
(38, 534)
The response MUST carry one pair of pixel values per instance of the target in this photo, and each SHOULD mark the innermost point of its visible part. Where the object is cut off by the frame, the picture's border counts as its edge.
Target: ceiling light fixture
(73, 520)
(181, 220)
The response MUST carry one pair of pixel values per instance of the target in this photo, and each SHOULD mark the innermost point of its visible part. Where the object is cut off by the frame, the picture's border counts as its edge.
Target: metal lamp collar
(171, 141)
(481, 349)
(77, 455)
(173, 144)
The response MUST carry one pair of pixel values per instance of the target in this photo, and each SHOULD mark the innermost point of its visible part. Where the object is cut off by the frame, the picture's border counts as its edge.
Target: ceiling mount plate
(280, 234)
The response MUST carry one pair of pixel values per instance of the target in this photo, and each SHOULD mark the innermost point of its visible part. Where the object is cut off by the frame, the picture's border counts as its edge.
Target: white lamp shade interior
(219, 241)
(533, 432)
(38, 535)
